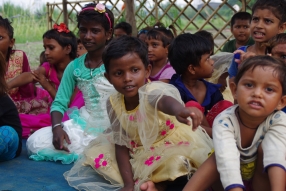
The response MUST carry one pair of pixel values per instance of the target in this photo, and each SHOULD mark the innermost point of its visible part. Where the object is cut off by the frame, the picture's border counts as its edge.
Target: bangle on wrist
(58, 124)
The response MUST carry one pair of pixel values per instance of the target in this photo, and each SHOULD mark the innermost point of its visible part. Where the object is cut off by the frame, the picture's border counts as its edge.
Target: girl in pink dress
(60, 49)
(158, 40)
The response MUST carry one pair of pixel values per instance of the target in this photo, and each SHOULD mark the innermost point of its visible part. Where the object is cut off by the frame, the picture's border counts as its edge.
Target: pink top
(165, 73)
(44, 119)
(51, 74)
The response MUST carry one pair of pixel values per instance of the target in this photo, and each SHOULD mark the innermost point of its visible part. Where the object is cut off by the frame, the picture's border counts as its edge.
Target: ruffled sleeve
(149, 96)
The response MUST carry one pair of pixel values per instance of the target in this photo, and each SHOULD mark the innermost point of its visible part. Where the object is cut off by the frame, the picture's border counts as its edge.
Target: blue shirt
(213, 94)
(233, 69)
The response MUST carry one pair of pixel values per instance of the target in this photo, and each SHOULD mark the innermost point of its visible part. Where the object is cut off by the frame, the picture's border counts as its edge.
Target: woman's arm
(125, 169)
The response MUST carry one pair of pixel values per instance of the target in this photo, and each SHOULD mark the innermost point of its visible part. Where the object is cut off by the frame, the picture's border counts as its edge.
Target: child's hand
(41, 79)
(190, 112)
(222, 82)
(59, 135)
(240, 56)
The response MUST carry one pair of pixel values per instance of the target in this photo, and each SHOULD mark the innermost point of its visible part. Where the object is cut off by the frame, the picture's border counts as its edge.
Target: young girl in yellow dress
(153, 139)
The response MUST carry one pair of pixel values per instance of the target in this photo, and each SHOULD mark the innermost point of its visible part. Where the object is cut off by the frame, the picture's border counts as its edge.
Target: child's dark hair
(123, 46)
(3, 85)
(159, 32)
(42, 58)
(240, 16)
(264, 61)
(207, 35)
(187, 49)
(91, 15)
(274, 41)
(78, 41)
(277, 7)
(5, 23)
(126, 27)
(64, 39)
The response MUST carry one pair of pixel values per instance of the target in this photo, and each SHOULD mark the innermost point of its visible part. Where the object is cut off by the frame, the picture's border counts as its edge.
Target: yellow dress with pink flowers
(161, 148)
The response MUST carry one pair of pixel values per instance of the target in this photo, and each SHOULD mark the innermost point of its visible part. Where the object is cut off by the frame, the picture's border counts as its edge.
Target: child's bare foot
(148, 186)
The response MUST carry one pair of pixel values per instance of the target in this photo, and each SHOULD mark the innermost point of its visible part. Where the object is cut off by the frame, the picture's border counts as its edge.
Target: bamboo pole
(130, 15)
(65, 12)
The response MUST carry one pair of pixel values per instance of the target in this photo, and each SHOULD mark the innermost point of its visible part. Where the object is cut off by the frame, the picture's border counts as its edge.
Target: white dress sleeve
(274, 143)
(226, 152)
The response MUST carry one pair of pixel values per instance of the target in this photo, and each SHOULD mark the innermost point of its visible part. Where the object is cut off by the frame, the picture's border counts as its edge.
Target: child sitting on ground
(189, 55)
(207, 35)
(240, 29)
(16, 64)
(250, 137)
(60, 50)
(155, 139)
(122, 28)
(268, 20)
(10, 125)
(158, 40)
(66, 141)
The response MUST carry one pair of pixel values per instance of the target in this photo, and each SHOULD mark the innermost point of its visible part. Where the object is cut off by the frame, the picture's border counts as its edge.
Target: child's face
(54, 52)
(93, 36)
(156, 50)
(80, 50)
(279, 51)
(265, 25)
(119, 32)
(128, 74)
(241, 30)
(258, 96)
(206, 67)
(5, 41)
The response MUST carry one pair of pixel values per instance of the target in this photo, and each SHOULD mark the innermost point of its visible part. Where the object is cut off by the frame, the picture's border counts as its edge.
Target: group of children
(145, 116)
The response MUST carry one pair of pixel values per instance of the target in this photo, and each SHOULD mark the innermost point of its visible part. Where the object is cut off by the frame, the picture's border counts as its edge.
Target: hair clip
(156, 27)
(61, 27)
(167, 28)
(101, 9)
(143, 31)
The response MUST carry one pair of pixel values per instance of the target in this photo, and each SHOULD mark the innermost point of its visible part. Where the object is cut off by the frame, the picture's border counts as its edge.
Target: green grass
(29, 30)
(28, 27)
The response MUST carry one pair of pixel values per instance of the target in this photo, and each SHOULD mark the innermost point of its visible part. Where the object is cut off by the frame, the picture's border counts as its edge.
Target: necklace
(91, 70)
(239, 119)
